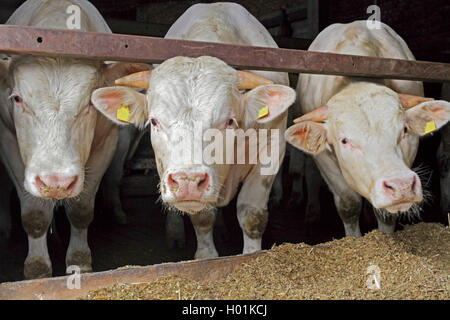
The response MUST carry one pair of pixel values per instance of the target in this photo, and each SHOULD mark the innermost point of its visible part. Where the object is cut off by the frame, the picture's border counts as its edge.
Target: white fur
(185, 92)
(55, 130)
(368, 113)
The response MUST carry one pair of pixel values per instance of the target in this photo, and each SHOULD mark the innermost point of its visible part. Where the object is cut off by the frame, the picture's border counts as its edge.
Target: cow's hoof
(82, 259)
(206, 253)
(37, 268)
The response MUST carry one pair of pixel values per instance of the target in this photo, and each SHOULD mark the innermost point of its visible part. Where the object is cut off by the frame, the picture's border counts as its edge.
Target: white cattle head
(186, 94)
(374, 134)
(54, 119)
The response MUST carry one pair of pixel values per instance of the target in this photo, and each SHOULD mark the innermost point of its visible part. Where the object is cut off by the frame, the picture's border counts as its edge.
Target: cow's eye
(404, 133)
(344, 140)
(231, 121)
(154, 122)
(16, 97)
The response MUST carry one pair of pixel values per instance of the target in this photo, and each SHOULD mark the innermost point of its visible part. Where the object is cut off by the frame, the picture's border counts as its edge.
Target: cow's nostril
(39, 183)
(203, 182)
(387, 186)
(56, 186)
(413, 186)
(72, 184)
(172, 182)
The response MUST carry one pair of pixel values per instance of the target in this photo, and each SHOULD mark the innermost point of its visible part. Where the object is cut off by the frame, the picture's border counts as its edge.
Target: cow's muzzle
(58, 187)
(188, 187)
(397, 194)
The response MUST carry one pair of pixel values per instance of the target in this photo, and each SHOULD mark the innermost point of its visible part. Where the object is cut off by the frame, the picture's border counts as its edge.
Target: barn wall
(424, 25)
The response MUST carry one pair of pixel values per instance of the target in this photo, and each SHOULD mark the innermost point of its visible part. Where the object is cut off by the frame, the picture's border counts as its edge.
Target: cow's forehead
(366, 110)
(200, 89)
(49, 80)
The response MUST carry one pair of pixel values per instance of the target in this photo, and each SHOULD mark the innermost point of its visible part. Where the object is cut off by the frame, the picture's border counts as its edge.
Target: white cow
(55, 145)
(360, 131)
(186, 92)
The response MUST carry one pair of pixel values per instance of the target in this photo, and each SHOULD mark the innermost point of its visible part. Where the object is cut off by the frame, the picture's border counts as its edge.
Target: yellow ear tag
(429, 127)
(123, 114)
(263, 112)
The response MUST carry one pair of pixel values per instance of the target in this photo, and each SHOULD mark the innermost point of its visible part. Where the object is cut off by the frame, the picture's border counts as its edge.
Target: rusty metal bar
(199, 270)
(57, 289)
(90, 45)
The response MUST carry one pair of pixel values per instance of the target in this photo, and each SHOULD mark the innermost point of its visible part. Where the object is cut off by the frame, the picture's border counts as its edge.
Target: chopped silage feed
(410, 264)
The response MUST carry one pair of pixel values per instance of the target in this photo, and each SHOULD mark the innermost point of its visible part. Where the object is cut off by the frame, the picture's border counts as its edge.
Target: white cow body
(55, 147)
(184, 92)
(365, 142)
(233, 24)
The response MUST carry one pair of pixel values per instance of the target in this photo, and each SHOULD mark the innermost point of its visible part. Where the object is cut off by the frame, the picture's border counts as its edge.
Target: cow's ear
(428, 116)
(116, 70)
(308, 136)
(122, 105)
(265, 103)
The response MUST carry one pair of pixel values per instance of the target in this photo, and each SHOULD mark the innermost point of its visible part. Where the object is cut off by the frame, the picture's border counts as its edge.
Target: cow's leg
(386, 221)
(297, 171)
(36, 213)
(252, 210)
(36, 218)
(80, 214)
(349, 209)
(348, 202)
(80, 210)
(253, 222)
(113, 176)
(203, 223)
(175, 235)
(313, 183)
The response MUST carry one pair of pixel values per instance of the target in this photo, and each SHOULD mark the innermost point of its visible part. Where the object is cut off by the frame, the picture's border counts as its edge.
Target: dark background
(424, 25)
